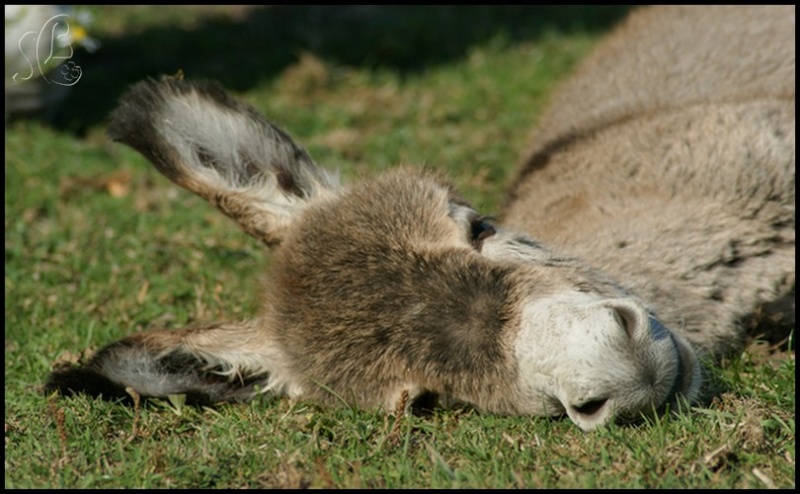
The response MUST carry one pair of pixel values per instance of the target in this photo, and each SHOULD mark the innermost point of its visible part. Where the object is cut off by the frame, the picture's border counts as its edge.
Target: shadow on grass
(244, 50)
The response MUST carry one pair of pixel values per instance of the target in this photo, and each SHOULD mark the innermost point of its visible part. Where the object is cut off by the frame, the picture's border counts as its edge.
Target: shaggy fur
(669, 163)
(659, 189)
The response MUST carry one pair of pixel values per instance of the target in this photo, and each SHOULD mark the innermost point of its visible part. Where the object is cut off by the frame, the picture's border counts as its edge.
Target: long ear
(227, 362)
(223, 150)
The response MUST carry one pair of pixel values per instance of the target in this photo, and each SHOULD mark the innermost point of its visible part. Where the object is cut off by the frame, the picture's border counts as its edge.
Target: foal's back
(668, 162)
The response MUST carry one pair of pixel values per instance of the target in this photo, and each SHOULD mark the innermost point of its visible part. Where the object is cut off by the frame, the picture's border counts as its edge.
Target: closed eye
(480, 230)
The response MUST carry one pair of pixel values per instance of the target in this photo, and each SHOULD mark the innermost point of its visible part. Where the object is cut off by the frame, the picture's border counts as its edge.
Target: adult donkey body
(659, 200)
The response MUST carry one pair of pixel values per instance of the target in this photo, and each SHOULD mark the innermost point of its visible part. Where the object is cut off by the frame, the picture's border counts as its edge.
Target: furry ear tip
(73, 380)
(137, 106)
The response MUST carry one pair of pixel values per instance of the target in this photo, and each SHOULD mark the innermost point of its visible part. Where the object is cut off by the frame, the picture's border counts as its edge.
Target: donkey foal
(668, 151)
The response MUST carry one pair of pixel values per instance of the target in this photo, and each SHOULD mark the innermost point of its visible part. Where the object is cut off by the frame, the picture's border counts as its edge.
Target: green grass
(98, 245)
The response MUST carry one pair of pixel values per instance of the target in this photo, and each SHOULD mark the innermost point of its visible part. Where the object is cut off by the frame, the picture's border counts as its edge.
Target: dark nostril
(591, 407)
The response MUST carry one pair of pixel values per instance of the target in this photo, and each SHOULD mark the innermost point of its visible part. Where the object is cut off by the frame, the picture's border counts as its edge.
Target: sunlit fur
(652, 220)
